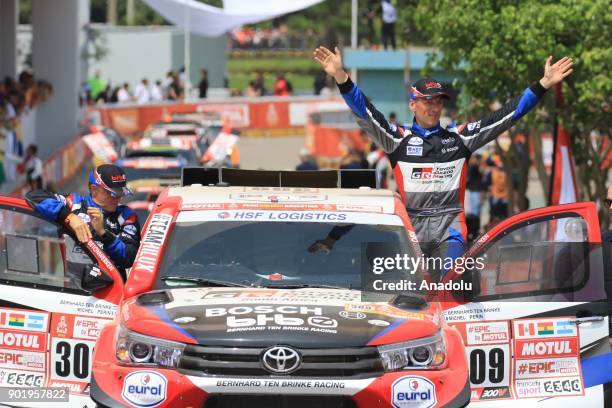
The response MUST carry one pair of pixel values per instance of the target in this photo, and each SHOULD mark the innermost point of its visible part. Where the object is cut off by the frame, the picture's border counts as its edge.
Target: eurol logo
(144, 388)
(413, 391)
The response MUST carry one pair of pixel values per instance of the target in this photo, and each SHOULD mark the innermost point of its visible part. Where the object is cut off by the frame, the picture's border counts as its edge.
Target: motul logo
(494, 336)
(21, 340)
(547, 348)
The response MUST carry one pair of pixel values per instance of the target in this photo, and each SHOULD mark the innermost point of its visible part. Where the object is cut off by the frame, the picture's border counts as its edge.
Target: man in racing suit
(430, 162)
(97, 215)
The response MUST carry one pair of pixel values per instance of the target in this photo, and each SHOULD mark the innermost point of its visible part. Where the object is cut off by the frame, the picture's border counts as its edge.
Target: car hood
(252, 317)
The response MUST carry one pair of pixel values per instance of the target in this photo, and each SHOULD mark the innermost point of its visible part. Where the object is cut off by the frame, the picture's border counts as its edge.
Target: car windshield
(271, 254)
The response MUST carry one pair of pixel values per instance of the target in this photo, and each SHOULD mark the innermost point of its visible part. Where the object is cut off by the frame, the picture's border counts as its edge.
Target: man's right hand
(80, 227)
(331, 62)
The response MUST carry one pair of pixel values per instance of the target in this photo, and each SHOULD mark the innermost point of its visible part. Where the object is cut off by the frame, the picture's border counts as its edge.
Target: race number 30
(71, 359)
(489, 365)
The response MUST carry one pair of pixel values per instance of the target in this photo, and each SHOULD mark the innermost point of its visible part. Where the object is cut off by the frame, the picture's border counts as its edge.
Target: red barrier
(277, 114)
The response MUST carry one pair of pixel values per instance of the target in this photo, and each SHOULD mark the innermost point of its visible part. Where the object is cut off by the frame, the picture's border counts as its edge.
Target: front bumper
(113, 385)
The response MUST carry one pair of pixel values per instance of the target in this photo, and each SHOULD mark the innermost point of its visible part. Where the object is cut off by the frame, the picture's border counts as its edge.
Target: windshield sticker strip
(283, 206)
(290, 216)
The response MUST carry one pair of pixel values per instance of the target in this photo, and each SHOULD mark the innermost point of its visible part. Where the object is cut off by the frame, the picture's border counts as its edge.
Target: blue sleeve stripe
(117, 249)
(356, 101)
(50, 208)
(526, 103)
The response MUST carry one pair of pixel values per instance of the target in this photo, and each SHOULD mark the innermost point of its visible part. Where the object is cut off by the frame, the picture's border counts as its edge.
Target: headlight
(140, 350)
(427, 353)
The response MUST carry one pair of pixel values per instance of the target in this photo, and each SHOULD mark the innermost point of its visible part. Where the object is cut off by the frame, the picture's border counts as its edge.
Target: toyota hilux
(237, 298)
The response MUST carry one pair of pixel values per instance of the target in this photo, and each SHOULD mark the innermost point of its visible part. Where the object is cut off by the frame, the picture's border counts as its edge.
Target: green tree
(502, 45)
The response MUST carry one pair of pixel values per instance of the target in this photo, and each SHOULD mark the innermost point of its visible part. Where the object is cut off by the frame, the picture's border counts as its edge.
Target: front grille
(350, 362)
(277, 401)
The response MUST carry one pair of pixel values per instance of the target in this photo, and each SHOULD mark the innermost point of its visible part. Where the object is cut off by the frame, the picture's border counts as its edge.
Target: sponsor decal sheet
(547, 361)
(523, 358)
(41, 349)
(23, 342)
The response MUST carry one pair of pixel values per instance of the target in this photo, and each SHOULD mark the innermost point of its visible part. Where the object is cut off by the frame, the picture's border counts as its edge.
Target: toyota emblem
(281, 360)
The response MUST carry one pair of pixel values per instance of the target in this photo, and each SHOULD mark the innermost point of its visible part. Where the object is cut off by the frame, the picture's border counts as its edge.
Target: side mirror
(94, 279)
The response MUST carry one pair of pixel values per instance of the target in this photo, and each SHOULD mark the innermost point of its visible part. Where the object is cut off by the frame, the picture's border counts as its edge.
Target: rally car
(183, 148)
(228, 305)
(174, 128)
(145, 192)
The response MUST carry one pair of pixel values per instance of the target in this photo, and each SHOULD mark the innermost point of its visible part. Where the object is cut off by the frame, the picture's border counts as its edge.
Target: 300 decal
(71, 359)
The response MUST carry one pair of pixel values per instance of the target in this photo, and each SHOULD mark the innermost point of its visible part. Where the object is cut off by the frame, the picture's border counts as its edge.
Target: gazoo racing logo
(430, 173)
(152, 242)
(144, 388)
(422, 173)
(413, 391)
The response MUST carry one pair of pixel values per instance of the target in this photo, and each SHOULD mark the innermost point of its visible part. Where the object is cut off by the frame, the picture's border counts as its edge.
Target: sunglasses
(607, 202)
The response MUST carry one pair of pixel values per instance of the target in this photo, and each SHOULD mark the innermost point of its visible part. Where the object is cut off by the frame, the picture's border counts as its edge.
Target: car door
(55, 296)
(536, 325)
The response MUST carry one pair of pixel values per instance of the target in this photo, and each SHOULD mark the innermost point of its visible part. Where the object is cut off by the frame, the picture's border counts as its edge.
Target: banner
(286, 115)
(564, 189)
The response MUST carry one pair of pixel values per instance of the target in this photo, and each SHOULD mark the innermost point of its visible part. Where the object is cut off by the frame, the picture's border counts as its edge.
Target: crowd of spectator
(488, 181)
(97, 90)
(256, 87)
(19, 99)
(277, 37)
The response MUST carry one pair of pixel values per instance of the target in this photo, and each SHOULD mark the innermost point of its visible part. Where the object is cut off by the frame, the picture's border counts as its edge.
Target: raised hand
(331, 62)
(555, 73)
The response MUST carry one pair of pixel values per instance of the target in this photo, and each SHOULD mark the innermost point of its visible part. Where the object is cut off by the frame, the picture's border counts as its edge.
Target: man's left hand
(97, 220)
(555, 73)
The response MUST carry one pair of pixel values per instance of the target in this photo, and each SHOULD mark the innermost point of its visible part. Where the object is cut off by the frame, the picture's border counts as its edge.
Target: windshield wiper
(303, 285)
(203, 281)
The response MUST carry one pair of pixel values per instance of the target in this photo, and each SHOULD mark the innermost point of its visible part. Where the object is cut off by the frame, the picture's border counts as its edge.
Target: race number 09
(488, 365)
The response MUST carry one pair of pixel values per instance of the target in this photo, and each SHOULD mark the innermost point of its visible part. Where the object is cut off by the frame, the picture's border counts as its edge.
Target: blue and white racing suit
(122, 237)
(430, 165)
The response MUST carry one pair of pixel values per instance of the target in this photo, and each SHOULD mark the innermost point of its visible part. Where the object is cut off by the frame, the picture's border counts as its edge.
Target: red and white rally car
(228, 305)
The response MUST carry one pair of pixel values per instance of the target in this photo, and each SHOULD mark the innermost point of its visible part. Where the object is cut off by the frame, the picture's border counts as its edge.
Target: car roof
(359, 200)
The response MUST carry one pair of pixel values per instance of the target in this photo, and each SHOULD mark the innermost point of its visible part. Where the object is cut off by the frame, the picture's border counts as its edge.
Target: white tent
(209, 21)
